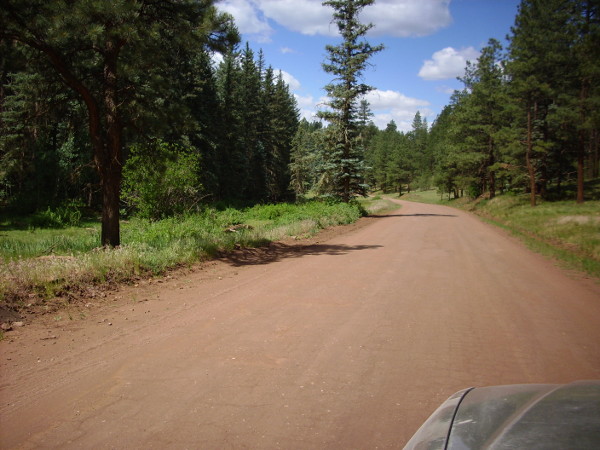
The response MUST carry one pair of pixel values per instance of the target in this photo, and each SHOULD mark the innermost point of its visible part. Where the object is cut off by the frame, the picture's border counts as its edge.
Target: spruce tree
(342, 174)
(233, 161)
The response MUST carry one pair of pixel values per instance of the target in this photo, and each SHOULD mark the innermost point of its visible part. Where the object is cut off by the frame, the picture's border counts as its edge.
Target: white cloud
(386, 106)
(305, 102)
(402, 18)
(286, 50)
(379, 100)
(308, 114)
(304, 16)
(392, 105)
(292, 82)
(391, 17)
(445, 89)
(447, 63)
(247, 18)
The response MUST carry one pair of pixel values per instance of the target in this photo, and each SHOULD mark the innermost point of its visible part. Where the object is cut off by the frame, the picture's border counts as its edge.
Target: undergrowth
(41, 263)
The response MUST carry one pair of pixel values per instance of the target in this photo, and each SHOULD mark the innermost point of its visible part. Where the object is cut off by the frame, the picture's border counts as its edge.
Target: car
(520, 416)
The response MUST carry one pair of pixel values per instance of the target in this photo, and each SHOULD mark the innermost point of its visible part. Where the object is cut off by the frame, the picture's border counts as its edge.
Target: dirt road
(347, 343)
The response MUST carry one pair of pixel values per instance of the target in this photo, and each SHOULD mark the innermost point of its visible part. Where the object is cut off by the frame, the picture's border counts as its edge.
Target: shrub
(67, 214)
(161, 180)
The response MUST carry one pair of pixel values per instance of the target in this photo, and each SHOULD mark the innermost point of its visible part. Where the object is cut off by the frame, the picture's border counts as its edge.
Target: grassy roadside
(40, 264)
(562, 230)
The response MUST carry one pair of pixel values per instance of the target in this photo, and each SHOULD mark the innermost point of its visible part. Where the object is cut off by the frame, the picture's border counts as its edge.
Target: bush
(67, 214)
(161, 180)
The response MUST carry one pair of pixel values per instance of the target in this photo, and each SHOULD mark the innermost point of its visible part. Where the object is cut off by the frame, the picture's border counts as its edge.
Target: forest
(124, 108)
(526, 121)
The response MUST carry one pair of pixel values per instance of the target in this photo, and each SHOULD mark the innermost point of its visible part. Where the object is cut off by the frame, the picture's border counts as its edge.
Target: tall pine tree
(343, 172)
(103, 52)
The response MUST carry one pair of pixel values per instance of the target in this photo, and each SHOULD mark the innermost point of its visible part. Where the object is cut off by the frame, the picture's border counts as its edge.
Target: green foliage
(67, 214)
(526, 120)
(342, 172)
(161, 180)
(305, 157)
(119, 60)
(51, 261)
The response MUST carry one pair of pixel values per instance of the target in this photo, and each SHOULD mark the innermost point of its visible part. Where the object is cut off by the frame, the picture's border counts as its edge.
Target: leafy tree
(161, 180)
(343, 171)
(105, 52)
(261, 119)
(203, 133)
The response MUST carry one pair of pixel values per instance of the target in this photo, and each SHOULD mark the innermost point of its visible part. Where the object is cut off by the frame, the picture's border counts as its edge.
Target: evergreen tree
(233, 161)
(305, 157)
(586, 87)
(103, 52)
(538, 59)
(342, 174)
(419, 164)
(481, 115)
(205, 110)
(282, 121)
(251, 124)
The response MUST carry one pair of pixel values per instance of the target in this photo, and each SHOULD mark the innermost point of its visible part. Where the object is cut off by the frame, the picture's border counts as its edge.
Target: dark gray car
(521, 416)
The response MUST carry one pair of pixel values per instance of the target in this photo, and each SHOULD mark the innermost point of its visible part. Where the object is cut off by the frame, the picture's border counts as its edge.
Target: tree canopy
(85, 82)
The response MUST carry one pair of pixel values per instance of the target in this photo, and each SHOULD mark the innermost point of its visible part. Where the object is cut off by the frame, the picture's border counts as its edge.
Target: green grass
(43, 263)
(560, 229)
(376, 204)
(430, 196)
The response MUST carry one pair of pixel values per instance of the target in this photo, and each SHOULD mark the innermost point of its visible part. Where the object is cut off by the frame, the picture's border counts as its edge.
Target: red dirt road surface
(350, 341)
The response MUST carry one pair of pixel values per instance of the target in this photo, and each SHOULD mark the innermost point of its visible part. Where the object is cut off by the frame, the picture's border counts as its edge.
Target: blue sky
(427, 43)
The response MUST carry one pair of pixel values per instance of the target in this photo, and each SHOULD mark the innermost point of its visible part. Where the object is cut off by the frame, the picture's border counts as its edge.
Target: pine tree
(281, 116)
(233, 161)
(103, 52)
(586, 49)
(251, 123)
(420, 164)
(342, 174)
(539, 58)
(481, 115)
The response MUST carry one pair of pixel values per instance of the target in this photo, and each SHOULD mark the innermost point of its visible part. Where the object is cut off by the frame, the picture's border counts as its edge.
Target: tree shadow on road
(277, 251)
(383, 216)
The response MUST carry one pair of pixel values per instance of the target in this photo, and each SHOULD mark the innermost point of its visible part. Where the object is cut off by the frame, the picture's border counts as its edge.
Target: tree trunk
(581, 142)
(107, 152)
(346, 169)
(580, 165)
(528, 157)
(594, 160)
(492, 173)
(112, 164)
